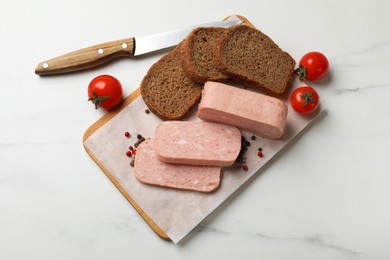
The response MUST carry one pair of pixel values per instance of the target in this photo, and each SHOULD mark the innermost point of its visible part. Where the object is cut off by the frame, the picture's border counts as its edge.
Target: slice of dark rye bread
(166, 89)
(198, 55)
(253, 58)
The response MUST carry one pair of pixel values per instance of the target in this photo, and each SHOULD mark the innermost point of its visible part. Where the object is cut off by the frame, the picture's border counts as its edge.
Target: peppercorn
(247, 143)
(127, 134)
(253, 137)
(139, 136)
(245, 167)
(147, 111)
(260, 154)
(140, 140)
(128, 153)
(260, 149)
(241, 156)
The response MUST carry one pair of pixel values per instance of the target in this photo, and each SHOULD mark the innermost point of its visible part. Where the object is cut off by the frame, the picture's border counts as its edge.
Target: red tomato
(313, 66)
(105, 91)
(304, 100)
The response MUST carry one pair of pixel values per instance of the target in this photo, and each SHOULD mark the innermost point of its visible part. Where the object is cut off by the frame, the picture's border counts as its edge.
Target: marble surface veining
(325, 197)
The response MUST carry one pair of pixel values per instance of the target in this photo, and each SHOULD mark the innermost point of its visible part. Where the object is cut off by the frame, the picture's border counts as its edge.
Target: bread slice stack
(173, 85)
(197, 55)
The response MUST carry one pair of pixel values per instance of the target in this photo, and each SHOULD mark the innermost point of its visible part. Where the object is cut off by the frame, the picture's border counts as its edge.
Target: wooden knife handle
(87, 57)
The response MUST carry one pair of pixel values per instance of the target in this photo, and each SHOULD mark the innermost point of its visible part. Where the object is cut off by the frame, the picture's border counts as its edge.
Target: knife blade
(134, 46)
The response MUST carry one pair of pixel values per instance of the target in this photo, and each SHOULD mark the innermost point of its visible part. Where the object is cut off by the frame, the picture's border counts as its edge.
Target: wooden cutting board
(101, 122)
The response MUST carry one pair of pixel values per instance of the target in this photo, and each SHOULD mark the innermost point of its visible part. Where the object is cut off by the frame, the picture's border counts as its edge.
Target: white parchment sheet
(177, 212)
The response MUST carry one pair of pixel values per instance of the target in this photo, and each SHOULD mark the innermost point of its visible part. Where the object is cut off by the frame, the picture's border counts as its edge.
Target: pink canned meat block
(148, 169)
(197, 143)
(257, 113)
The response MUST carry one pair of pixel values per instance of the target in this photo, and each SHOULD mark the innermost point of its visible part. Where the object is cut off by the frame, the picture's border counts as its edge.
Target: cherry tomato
(105, 91)
(304, 100)
(313, 66)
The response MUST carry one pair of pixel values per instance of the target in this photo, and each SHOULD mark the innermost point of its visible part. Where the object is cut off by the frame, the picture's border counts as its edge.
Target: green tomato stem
(301, 72)
(97, 100)
(308, 98)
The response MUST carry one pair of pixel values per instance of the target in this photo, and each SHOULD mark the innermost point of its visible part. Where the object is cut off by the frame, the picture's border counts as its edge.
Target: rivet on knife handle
(87, 57)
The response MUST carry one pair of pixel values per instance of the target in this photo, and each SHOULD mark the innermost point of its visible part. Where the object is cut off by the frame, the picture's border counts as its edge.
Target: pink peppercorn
(245, 167)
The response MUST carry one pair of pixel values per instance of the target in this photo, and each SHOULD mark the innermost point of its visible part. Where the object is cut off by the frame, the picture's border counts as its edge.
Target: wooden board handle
(87, 57)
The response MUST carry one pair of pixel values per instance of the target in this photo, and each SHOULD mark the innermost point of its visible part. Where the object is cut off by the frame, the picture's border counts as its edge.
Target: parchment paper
(177, 212)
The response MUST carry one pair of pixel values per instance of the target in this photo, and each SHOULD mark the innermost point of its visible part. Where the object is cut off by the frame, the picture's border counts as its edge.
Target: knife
(129, 47)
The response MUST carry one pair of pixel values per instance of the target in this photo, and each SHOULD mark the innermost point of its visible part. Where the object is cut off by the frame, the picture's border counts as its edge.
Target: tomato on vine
(312, 66)
(304, 100)
(105, 91)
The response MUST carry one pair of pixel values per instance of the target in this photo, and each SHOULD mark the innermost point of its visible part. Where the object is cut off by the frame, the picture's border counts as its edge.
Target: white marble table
(326, 197)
